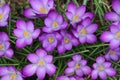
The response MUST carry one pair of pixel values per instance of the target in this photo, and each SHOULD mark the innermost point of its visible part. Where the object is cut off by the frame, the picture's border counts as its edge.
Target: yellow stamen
(1, 16)
(41, 63)
(76, 17)
(26, 34)
(118, 34)
(12, 76)
(77, 66)
(1, 47)
(112, 52)
(66, 40)
(83, 31)
(101, 68)
(55, 24)
(50, 39)
(43, 10)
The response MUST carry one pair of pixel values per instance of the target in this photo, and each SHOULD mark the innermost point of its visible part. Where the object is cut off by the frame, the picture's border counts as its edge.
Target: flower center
(50, 40)
(112, 52)
(66, 40)
(118, 34)
(83, 31)
(1, 46)
(1, 16)
(55, 24)
(26, 34)
(43, 10)
(41, 63)
(101, 68)
(12, 76)
(77, 66)
(76, 17)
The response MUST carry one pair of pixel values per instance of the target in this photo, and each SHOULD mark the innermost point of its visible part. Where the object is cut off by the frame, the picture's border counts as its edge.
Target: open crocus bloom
(41, 64)
(114, 16)
(112, 54)
(69, 78)
(5, 49)
(77, 66)
(10, 73)
(67, 41)
(4, 14)
(54, 22)
(112, 36)
(84, 31)
(39, 8)
(50, 41)
(76, 14)
(102, 69)
(25, 33)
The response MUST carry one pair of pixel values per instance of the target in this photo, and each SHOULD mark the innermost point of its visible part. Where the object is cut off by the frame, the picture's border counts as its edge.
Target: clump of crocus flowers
(59, 34)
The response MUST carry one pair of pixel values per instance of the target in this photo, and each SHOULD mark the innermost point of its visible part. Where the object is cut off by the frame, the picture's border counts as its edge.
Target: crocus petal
(79, 72)
(41, 52)
(92, 28)
(81, 10)
(59, 19)
(32, 58)
(114, 44)
(1, 53)
(69, 70)
(30, 26)
(29, 70)
(3, 24)
(106, 36)
(21, 24)
(64, 25)
(71, 7)
(88, 15)
(103, 75)
(4, 36)
(69, 15)
(41, 72)
(91, 38)
(6, 9)
(29, 13)
(6, 77)
(116, 6)
(110, 71)
(20, 43)
(86, 22)
(48, 22)
(36, 4)
(107, 64)
(61, 49)
(114, 28)
(95, 65)
(83, 62)
(52, 15)
(29, 41)
(36, 33)
(50, 69)
(100, 59)
(47, 30)
(82, 39)
(68, 46)
(112, 16)
(86, 70)
(71, 64)
(77, 58)
(19, 77)
(3, 71)
(75, 42)
(9, 53)
(18, 33)
(114, 57)
(94, 74)
(48, 58)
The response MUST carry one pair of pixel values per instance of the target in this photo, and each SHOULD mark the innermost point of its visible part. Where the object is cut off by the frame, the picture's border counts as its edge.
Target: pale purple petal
(30, 26)
(35, 4)
(68, 46)
(47, 30)
(3, 24)
(91, 38)
(114, 28)
(4, 36)
(75, 42)
(71, 7)
(83, 62)
(33, 58)
(106, 64)
(95, 65)
(6, 77)
(48, 22)
(92, 28)
(36, 33)
(94, 74)
(41, 52)
(48, 58)
(21, 24)
(79, 72)
(20, 43)
(103, 75)
(71, 64)
(100, 59)
(81, 10)
(6, 9)
(114, 57)
(86, 70)
(86, 22)
(69, 70)
(9, 53)
(114, 44)
(88, 15)
(29, 70)
(116, 6)
(3, 71)
(76, 58)
(18, 33)
(82, 39)
(61, 49)
(69, 15)
(29, 41)
(59, 19)
(110, 72)
(52, 15)
(50, 69)
(41, 72)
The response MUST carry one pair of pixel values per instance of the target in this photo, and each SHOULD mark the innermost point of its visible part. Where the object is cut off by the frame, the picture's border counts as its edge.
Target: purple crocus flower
(78, 66)
(67, 42)
(50, 41)
(84, 31)
(54, 22)
(114, 16)
(102, 69)
(39, 8)
(69, 78)
(76, 14)
(41, 64)
(10, 73)
(4, 14)
(112, 54)
(5, 49)
(112, 36)
(25, 33)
